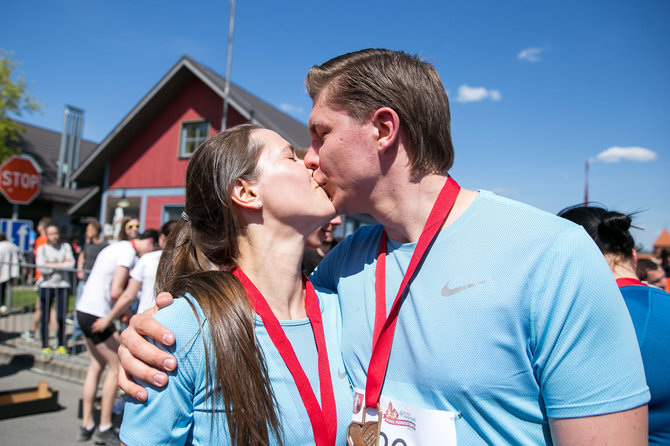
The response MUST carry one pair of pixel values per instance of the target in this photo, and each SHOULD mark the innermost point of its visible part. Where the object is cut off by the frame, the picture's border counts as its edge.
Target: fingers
(131, 367)
(163, 300)
(128, 385)
(145, 325)
(141, 351)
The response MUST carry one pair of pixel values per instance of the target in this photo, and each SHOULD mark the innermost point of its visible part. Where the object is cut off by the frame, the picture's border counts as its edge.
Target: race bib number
(405, 425)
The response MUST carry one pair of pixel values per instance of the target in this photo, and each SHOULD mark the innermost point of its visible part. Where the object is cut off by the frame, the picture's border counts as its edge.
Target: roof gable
(252, 108)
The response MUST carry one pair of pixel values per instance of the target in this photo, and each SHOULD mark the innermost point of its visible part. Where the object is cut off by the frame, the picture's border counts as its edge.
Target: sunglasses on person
(132, 226)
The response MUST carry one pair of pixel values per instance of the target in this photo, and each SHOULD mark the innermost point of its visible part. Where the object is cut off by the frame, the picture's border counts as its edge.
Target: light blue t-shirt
(181, 413)
(513, 317)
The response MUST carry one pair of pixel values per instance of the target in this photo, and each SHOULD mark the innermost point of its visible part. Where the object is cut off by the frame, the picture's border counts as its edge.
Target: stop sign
(19, 180)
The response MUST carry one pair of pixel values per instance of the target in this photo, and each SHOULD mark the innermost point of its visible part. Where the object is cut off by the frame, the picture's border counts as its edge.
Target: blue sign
(17, 232)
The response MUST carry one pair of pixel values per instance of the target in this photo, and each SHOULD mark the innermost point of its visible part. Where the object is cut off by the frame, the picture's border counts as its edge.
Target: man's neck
(403, 208)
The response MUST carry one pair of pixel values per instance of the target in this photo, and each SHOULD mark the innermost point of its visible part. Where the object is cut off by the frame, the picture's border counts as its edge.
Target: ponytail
(198, 251)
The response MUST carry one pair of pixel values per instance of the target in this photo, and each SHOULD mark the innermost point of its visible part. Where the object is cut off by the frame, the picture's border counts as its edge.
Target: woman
(649, 307)
(130, 228)
(52, 257)
(258, 349)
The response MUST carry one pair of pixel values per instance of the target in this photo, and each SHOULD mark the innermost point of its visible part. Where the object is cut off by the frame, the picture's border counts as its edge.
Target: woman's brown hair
(206, 239)
(123, 235)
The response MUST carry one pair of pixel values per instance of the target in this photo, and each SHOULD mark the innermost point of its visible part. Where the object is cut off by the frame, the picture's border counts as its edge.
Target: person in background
(318, 244)
(94, 244)
(104, 285)
(52, 257)
(141, 283)
(652, 273)
(649, 307)
(29, 335)
(130, 228)
(10, 258)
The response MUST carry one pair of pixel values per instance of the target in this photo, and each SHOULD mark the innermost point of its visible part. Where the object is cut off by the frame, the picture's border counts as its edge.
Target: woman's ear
(387, 123)
(245, 195)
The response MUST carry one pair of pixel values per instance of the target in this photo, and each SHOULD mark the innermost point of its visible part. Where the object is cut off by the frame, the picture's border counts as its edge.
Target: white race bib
(407, 425)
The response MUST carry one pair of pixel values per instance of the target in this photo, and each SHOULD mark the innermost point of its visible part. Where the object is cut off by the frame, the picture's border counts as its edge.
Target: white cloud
(288, 108)
(615, 154)
(530, 54)
(474, 94)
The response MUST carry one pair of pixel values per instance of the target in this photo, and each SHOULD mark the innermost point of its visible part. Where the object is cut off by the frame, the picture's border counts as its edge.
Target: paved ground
(52, 428)
(21, 367)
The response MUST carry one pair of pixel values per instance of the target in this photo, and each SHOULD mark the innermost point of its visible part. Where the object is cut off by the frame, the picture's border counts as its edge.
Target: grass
(24, 297)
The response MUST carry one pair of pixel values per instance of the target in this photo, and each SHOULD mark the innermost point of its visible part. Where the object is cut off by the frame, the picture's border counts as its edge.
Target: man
(85, 261)
(318, 244)
(651, 272)
(528, 344)
(10, 258)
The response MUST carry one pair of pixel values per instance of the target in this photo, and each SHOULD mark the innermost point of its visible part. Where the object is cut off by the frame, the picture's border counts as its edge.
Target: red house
(140, 166)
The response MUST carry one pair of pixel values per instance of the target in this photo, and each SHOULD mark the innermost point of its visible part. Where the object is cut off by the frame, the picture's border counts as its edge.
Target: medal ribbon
(323, 418)
(628, 282)
(385, 327)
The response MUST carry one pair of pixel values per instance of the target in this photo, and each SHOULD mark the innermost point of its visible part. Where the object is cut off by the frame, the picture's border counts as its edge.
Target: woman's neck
(272, 260)
(621, 269)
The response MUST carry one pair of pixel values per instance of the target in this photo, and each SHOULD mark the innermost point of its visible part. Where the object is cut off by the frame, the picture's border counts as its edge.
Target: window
(193, 133)
(171, 212)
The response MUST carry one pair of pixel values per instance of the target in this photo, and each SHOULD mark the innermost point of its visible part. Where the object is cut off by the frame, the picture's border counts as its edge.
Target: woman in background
(649, 307)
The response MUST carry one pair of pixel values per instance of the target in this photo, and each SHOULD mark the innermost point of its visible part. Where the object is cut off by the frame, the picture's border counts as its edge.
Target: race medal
(364, 433)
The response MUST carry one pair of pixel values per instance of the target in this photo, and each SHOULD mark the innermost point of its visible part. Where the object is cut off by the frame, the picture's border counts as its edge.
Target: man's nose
(311, 159)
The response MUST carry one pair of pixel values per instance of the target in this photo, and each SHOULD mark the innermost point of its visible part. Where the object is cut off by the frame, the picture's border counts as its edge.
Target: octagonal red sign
(19, 180)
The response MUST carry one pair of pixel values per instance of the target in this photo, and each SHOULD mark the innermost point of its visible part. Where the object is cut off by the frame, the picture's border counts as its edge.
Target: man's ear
(387, 123)
(245, 194)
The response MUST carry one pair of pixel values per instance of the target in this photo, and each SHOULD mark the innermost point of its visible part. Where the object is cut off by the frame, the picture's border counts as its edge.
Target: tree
(14, 100)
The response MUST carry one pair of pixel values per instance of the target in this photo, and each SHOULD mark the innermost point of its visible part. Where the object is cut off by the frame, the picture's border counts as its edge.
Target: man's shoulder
(501, 211)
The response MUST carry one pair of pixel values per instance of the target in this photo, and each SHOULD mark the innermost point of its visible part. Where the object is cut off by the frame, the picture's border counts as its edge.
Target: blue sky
(536, 87)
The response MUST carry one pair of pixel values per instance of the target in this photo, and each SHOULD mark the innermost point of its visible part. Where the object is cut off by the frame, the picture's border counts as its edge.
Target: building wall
(151, 159)
(149, 169)
(154, 210)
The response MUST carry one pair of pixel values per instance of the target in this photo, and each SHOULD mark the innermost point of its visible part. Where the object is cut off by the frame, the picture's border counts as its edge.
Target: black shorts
(85, 322)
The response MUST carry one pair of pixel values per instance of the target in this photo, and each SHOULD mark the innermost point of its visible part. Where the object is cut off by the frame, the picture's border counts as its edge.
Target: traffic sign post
(17, 232)
(19, 180)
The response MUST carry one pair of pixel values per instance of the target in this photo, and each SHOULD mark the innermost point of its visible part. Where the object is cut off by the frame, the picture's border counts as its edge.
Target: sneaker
(47, 354)
(85, 434)
(109, 437)
(28, 335)
(62, 351)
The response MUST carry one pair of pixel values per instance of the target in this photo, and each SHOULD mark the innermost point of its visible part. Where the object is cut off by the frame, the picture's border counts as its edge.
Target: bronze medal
(364, 433)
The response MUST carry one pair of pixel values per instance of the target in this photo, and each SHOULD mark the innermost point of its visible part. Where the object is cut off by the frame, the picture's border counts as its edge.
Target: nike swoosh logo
(446, 291)
(341, 375)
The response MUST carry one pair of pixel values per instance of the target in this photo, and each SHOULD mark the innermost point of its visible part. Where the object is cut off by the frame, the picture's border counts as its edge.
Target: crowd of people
(461, 318)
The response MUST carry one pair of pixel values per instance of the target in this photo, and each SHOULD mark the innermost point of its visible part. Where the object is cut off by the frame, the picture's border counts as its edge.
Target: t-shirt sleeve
(167, 415)
(138, 269)
(126, 258)
(585, 352)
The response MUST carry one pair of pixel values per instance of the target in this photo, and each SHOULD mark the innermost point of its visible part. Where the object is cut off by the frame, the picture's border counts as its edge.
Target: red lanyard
(385, 327)
(627, 281)
(324, 421)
